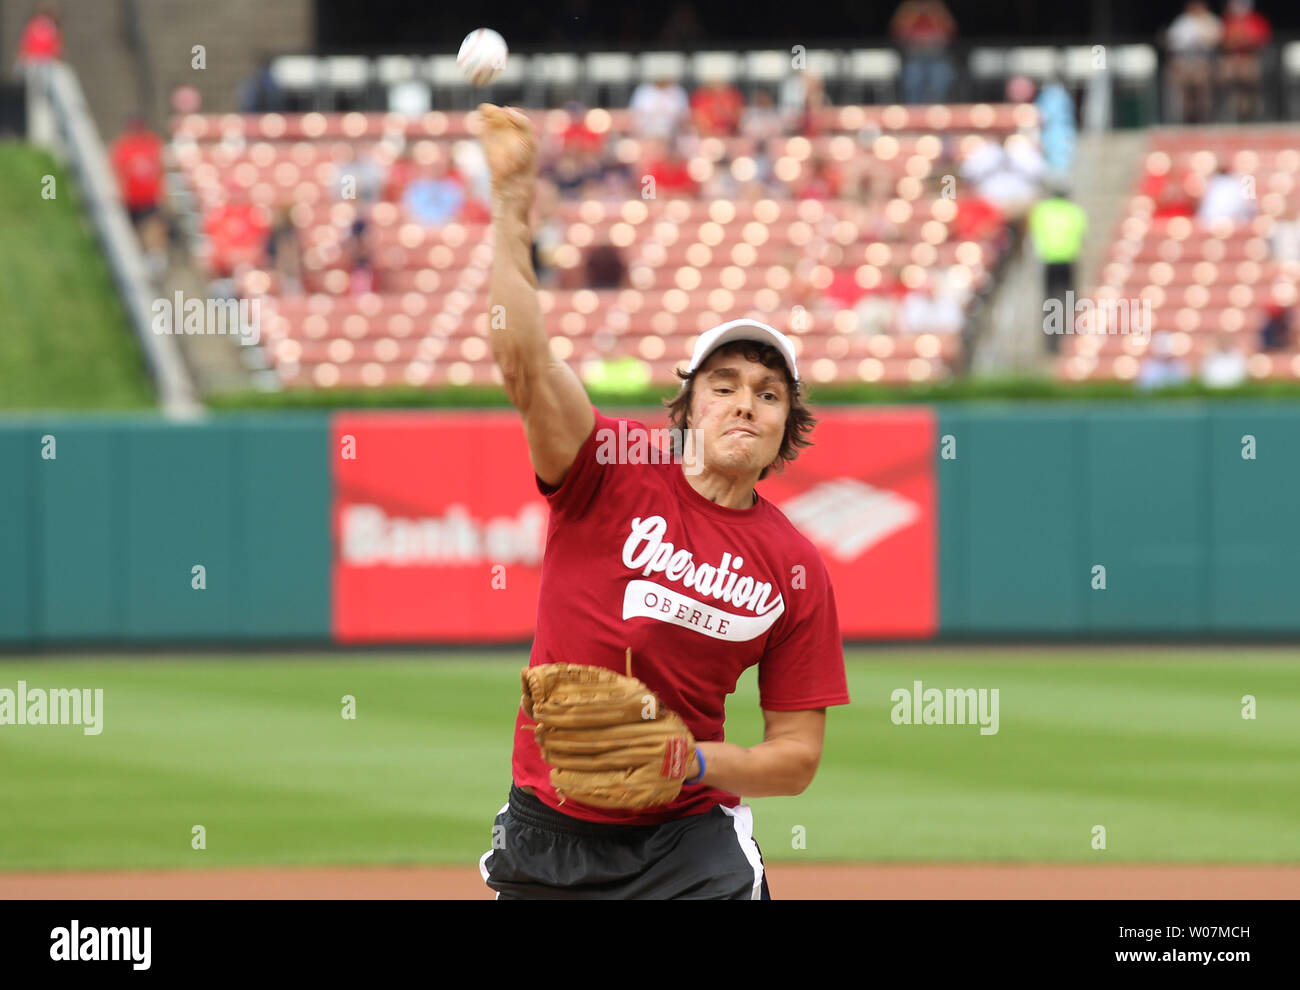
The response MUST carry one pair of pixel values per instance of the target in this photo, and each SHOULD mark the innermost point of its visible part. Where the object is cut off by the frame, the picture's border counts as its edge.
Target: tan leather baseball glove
(609, 741)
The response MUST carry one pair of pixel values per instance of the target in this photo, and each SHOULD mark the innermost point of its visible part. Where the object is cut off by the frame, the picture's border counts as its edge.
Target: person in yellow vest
(1057, 226)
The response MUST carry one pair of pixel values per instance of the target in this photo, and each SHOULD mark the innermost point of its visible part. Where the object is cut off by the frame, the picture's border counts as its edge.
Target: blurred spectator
(659, 109)
(605, 267)
(803, 97)
(573, 172)
(1020, 89)
(932, 309)
(976, 219)
(358, 177)
(358, 259)
(236, 237)
(1171, 197)
(670, 170)
(284, 253)
(1284, 241)
(1007, 177)
(876, 314)
(1160, 367)
(844, 291)
(260, 93)
(716, 108)
(548, 231)
(436, 196)
(1056, 229)
(923, 30)
(1191, 40)
(42, 38)
(615, 177)
(401, 174)
(721, 183)
(761, 120)
(1059, 134)
(137, 157)
(1225, 365)
(1275, 334)
(1225, 199)
(577, 136)
(864, 177)
(818, 179)
(1245, 33)
(471, 167)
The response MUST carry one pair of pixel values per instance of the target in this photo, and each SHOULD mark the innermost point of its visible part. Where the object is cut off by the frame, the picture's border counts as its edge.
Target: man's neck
(730, 493)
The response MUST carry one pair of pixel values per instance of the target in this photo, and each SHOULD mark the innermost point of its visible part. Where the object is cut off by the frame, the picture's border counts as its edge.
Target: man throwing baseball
(664, 579)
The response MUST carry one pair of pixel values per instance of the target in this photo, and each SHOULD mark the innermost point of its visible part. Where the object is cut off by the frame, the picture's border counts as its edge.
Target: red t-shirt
(975, 219)
(41, 39)
(717, 111)
(237, 233)
(579, 137)
(138, 162)
(626, 545)
(1246, 32)
(672, 178)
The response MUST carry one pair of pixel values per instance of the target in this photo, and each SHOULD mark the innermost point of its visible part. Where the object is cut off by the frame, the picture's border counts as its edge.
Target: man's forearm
(770, 769)
(515, 329)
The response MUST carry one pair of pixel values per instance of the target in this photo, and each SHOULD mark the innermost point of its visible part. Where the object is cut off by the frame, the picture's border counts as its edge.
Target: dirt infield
(819, 881)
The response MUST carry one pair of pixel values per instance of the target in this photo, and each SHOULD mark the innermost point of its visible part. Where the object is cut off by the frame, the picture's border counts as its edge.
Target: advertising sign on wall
(439, 529)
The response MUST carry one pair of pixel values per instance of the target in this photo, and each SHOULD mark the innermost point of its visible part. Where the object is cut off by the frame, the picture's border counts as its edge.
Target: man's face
(739, 408)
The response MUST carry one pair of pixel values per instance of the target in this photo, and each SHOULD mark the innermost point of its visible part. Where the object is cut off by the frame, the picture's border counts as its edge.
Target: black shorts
(538, 853)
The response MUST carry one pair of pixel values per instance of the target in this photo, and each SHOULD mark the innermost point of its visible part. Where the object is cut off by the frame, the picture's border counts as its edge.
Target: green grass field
(64, 338)
(1149, 743)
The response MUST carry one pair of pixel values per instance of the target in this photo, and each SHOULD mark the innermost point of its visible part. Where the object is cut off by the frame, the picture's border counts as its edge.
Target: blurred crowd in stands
(1008, 189)
(1207, 54)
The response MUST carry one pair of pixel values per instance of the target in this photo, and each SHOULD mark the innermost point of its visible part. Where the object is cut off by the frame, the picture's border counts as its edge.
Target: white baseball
(482, 56)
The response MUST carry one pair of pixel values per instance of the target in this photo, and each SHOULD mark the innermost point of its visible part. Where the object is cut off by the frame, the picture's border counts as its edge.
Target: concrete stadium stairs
(1011, 340)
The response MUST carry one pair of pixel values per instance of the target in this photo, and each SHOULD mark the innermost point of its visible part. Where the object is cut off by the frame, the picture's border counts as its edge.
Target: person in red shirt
(236, 236)
(819, 179)
(976, 219)
(679, 559)
(137, 158)
(1245, 33)
(716, 109)
(41, 41)
(577, 136)
(670, 170)
(1169, 193)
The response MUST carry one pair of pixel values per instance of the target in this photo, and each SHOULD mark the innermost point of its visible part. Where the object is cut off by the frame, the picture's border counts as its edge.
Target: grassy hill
(64, 338)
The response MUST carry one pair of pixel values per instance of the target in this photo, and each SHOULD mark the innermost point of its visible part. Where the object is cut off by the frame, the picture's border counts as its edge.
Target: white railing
(59, 120)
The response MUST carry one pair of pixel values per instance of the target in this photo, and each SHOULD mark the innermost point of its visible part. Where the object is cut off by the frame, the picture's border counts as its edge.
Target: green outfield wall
(1193, 512)
(99, 542)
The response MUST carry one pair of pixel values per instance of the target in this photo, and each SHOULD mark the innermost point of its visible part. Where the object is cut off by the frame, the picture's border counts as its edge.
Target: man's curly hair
(799, 422)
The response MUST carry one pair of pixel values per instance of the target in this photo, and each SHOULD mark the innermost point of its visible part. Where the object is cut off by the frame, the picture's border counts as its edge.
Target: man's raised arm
(557, 412)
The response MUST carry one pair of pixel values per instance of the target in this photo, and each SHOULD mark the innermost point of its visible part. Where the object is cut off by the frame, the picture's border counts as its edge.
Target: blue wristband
(699, 756)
